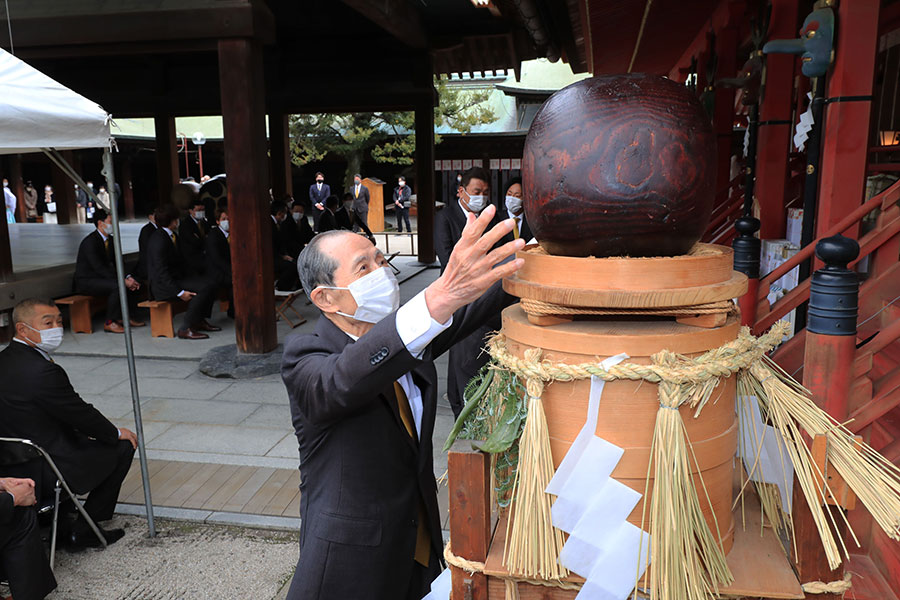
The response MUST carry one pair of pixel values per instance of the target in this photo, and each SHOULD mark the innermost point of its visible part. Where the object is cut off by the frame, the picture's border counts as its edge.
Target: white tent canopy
(36, 112)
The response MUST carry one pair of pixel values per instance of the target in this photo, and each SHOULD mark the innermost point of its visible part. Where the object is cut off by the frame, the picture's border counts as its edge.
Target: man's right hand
(21, 489)
(470, 270)
(187, 296)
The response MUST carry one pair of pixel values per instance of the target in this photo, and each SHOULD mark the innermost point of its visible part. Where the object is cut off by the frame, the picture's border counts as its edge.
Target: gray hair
(24, 310)
(315, 267)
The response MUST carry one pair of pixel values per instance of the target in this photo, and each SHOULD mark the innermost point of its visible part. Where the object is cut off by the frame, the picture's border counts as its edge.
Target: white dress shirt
(416, 329)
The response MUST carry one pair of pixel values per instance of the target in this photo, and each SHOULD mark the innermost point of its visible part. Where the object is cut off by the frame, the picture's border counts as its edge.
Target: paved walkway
(220, 450)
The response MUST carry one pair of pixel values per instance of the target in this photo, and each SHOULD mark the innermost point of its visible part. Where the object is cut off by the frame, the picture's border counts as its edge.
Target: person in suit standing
(318, 193)
(81, 202)
(31, 202)
(169, 279)
(192, 232)
(363, 396)
(513, 202)
(466, 357)
(218, 257)
(360, 202)
(140, 271)
(38, 403)
(355, 222)
(22, 557)
(402, 203)
(95, 273)
(328, 220)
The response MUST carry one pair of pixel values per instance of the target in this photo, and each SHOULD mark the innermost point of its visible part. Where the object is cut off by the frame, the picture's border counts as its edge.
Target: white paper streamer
(801, 132)
(774, 464)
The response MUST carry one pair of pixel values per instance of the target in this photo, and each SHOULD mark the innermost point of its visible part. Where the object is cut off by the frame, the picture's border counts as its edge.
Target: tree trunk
(354, 165)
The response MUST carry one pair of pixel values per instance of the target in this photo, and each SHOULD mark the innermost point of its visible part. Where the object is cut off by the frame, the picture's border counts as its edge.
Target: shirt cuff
(13, 496)
(416, 327)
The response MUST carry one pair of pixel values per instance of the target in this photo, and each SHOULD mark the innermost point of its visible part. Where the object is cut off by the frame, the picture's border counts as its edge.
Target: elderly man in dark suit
(140, 271)
(38, 403)
(95, 273)
(218, 257)
(466, 357)
(169, 279)
(22, 559)
(360, 201)
(318, 192)
(363, 395)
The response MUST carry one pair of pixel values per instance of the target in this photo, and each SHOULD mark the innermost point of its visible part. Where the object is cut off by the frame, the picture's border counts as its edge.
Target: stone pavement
(191, 418)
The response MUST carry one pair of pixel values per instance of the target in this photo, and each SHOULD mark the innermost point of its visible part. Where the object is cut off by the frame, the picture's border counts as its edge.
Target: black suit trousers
(403, 215)
(200, 305)
(101, 501)
(22, 559)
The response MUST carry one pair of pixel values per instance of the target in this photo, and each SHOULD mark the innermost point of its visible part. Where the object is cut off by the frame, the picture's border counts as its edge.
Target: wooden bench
(81, 309)
(161, 314)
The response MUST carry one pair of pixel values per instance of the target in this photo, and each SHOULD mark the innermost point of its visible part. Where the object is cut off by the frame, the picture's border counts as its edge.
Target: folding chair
(391, 264)
(284, 301)
(17, 451)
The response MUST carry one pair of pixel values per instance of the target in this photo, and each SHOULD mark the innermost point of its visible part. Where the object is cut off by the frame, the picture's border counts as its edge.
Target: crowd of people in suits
(42, 207)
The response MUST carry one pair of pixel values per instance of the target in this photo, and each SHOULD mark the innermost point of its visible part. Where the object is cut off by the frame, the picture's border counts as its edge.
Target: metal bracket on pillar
(834, 289)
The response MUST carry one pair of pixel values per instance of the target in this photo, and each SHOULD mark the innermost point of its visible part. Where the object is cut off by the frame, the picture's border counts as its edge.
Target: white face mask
(48, 190)
(477, 202)
(513, 204)
(6, 184)
(297, 217)
(200, 215)
(90, 186)
(223, 225)
(50, 338)
(402, 183)
(377, 295)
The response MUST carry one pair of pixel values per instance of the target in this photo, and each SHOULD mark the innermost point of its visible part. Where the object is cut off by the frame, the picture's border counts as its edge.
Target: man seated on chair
(218, 257)
(192, 230)
(297, 231)
(22, 560)
(284, 265)
(328, 219)
(95, 273)
(169, 279)
(39, 404)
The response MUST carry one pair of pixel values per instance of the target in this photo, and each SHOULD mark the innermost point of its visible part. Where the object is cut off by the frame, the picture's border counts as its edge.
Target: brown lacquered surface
(619, 165)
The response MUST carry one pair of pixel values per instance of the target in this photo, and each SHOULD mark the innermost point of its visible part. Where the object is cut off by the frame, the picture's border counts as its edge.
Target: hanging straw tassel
(687, 560)
(532, 543)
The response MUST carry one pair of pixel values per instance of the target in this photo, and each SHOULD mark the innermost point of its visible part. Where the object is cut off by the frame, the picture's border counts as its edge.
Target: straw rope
(541, 308)
(841, 586)
(473, 566)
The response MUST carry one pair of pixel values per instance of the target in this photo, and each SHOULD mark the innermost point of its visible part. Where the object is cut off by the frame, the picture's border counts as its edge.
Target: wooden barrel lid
(703, 276)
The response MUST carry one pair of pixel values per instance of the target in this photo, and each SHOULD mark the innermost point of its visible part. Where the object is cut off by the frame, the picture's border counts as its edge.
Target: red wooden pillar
(64, 190)
(17, 185)
(723, 114)
(849, 95)
(469, 486)
(775, 124)
(244, 124)
(280, 155)
(127, 187)
(167, 175)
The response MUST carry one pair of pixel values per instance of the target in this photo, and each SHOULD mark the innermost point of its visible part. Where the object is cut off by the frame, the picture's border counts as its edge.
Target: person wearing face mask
(47, 206)
(81, 202)
(218, 256)
(285, 270)
(95, 273)
(466, 357)
(514, 209)
(328, 220)
(363, 396)
(103, 196)
(192, 231)
(299, 233)
(10, 200)
(360, 203)
(318, 193)
(31, 203)
(402, 203)
(38, 403)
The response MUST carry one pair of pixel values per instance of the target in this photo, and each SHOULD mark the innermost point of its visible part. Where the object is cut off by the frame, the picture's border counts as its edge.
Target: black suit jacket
(38, 403)
(524, 230)
(165, 266)
(140, 271)
(361, 204)
(448, 227)
(327, 221)
(296, 235)
(191, 244)
(218, 257)
(342, 219)
(316, 196)
(402, 195)
(94, 261)
(362, 475)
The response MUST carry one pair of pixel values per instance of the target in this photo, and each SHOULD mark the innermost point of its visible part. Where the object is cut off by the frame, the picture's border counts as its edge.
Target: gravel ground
(186, 561)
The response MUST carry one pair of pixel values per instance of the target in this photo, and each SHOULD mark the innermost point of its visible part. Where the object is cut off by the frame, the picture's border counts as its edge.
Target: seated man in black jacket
(192, 230)
(169, 279)
(95, 273)
(22, 559)
(328, 220)
(38, 403)
(218, 257)
(285, 265)
(296, 230)
(140, 271)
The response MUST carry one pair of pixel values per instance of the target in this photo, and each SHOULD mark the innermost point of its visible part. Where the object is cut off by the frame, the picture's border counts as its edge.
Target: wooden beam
(397, 17)
(127, 187)
(469, 483)
(243, 120)
(167, 172)
(17, 185)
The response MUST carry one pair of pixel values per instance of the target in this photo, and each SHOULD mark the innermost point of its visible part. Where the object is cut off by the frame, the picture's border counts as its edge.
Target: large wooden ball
(619, 165)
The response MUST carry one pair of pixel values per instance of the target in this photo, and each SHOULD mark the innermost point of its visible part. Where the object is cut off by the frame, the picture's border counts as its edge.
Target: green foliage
(388, 136)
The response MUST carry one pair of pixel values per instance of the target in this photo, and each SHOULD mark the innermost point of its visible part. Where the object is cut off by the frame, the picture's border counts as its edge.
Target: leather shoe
(190, 334)
(136, 323)
(88, 539)
(113, 327)
(204, 326)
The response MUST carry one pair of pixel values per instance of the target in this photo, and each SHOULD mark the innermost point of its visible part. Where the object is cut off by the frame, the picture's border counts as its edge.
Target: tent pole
(57, 159)
(129, 348)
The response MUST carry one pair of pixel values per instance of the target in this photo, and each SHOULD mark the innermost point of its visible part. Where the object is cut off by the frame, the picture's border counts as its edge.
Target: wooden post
(425, 190)
(746, 260)
(64, 191)
(127, 187)
(469, 483)
(167, 174)
(17, 185)
(827, 373)
(775, 125)
(849, 96)
(280, 153)
(244, 125)
(723, 113)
